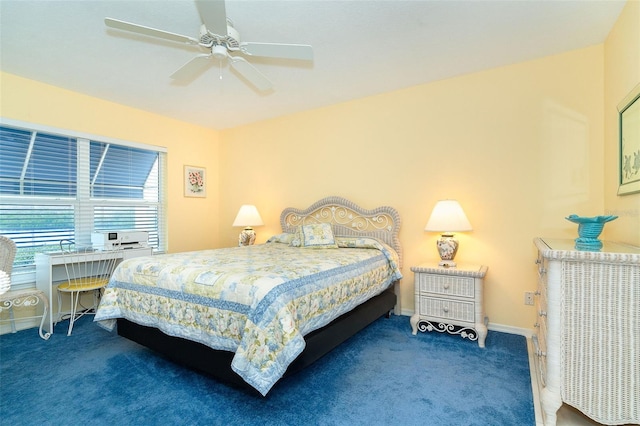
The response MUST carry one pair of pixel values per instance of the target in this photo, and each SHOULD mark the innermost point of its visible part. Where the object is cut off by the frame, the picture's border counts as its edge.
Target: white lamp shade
(248, 216)
(448, 216)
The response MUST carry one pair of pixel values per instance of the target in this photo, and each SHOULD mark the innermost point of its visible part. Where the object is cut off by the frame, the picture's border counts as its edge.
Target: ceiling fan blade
(148, 31)
(213, 15)
(250, 73)
(276, 50)
(192, 69)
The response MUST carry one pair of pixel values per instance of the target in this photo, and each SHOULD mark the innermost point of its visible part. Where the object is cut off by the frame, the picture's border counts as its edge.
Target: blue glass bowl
(589, 228)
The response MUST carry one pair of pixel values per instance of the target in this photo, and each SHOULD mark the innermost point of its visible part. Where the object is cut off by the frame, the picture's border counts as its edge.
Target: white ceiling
(361, 48)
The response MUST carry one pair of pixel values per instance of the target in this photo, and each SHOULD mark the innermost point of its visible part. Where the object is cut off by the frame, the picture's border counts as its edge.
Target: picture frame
(629, 143)
(195, 181)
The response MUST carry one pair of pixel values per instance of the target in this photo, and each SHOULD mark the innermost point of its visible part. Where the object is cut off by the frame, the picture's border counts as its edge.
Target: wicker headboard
(348, 220)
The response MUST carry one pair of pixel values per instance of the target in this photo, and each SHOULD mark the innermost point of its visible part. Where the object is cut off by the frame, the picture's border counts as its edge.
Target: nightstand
(450, 300)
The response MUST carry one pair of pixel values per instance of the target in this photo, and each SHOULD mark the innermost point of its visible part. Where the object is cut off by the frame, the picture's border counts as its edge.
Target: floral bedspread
(257, 301)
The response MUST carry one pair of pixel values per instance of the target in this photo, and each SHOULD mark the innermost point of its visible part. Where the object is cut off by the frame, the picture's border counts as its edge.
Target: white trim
(25, 125)
(535, 383)
(526, 332)
(20, 324)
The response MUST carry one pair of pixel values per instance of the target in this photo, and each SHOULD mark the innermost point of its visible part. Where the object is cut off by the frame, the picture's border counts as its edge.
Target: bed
(252, 315)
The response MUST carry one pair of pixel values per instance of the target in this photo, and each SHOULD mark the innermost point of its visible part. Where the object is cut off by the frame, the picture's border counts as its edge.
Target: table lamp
(447, 217)
(247, 216)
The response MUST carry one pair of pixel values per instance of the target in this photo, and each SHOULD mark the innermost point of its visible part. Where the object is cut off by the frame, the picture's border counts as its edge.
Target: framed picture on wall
(629, 131)
(195, 181)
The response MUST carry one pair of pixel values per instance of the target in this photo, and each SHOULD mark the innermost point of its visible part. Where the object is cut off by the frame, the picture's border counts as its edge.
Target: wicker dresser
(587, 334)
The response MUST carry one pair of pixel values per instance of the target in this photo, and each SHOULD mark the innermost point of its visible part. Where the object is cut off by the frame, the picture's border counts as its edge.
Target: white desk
(50, 270)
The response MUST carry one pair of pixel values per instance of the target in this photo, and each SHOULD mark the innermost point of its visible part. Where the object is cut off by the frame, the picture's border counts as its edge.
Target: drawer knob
(445, 309)
(536, 325)
(445, 286)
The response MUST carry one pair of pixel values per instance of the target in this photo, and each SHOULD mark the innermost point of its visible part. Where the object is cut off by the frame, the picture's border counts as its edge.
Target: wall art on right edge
(629, 130)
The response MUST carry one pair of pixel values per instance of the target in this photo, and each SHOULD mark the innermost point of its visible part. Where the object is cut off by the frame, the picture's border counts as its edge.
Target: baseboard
(405, 313)
(20, 324)
(526, 332)
(535, 382)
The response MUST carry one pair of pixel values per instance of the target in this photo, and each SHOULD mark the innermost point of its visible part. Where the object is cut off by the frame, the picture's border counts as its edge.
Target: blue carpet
(382, 375)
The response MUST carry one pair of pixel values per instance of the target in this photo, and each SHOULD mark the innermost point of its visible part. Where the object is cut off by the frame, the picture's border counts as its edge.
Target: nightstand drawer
(446, 284)
(447, 309)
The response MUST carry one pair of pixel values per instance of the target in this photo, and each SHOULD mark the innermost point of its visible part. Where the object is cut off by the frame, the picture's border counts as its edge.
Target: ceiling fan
(220, 38)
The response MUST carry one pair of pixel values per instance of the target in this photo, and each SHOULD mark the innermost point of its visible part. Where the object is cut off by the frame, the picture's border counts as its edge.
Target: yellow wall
(191, 221)
(622, 73)
(519, 146)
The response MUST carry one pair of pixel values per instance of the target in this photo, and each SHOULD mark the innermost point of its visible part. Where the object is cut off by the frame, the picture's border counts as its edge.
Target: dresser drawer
(449, 285)
(540, 360)
(542, 338)
(541, 333)
(447, 309)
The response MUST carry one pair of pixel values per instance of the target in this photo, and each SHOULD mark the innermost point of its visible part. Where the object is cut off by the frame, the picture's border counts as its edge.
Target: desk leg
(44, 283)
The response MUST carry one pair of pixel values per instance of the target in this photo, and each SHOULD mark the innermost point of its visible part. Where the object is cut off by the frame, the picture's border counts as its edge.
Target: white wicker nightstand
(450, 300)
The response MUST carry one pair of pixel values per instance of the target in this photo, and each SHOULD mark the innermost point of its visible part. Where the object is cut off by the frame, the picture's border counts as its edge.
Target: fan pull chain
(220, 85)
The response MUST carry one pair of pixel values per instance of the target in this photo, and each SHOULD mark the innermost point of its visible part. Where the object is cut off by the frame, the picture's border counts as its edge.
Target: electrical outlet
(528, 298)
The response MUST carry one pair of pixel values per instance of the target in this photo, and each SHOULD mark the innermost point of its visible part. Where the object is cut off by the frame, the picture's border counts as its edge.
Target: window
(55, 187)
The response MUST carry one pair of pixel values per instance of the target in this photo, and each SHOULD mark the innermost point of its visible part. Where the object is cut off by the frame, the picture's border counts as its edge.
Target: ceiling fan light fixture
(219, 38)
(219, 51)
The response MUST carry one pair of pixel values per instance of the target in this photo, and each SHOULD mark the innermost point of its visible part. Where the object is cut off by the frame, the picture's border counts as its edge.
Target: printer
(108, 240)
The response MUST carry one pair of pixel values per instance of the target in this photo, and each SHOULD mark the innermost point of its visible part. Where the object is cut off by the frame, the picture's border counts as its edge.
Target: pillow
(359, 242)
(284, 238)
(317, 235)
(372, 243)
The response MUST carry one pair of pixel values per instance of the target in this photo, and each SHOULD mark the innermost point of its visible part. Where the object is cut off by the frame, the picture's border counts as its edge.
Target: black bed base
(217, 363)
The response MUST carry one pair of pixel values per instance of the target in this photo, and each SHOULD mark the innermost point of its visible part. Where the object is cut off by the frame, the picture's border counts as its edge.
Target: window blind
(55, 187)
(37, 164)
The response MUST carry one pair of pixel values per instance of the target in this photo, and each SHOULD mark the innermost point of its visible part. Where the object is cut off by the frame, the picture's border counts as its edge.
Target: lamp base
(447, 264)
(247, 237)
(447, 247)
